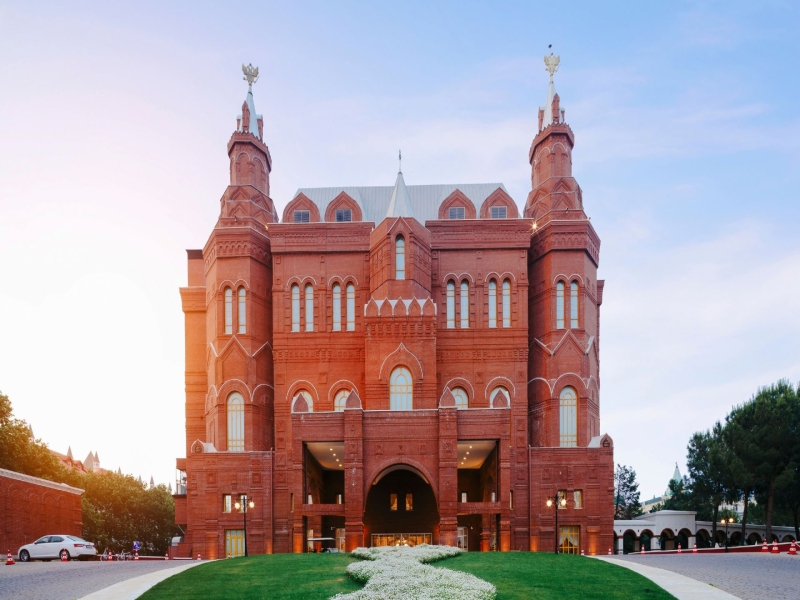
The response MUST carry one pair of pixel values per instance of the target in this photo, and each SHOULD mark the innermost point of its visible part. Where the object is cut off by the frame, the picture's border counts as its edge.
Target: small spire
(69, 452)
(152, 483)
(400, 161)
(551, 112)
(400, 204)
(248, 121)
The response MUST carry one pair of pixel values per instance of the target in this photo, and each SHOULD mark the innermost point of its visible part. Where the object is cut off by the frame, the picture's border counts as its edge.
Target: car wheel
(64, 555)
(24, 556)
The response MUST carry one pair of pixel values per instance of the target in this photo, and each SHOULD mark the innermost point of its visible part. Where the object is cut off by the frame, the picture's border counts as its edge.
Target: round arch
(398, 463)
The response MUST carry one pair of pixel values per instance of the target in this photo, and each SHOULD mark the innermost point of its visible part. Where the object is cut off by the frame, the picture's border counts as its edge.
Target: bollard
(9, 560)
(694, 549)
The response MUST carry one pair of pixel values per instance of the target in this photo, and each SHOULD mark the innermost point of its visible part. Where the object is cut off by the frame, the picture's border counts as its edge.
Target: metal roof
(424, 199)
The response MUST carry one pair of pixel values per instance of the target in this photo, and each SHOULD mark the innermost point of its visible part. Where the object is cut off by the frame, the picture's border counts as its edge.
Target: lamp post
(725, 522)
(555, 502)
(242, 505)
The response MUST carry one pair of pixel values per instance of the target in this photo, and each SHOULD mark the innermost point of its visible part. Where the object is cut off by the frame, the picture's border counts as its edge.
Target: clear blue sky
(114, 121)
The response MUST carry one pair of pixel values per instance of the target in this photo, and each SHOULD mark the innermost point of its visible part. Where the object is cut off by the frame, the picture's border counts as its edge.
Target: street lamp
(552, 502)
(243, 505)
(725, 522)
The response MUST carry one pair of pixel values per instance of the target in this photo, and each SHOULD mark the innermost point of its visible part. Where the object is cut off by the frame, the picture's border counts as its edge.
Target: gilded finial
(250, 74)
(551, 64)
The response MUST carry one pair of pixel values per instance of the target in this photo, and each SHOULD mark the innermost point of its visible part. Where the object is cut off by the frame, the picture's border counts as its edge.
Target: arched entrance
(401, 509)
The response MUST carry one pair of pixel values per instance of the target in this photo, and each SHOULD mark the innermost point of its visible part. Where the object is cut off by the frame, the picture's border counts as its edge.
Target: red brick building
(395, 364)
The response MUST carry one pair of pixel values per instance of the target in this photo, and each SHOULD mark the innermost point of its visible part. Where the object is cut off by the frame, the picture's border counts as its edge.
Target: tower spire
(551, 112)
(250, 122)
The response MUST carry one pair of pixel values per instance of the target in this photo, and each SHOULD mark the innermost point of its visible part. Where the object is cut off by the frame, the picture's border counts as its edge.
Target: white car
(57, 546)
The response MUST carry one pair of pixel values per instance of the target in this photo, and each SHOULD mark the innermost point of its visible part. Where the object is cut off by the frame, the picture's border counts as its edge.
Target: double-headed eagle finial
(250, 74)
(551, 64)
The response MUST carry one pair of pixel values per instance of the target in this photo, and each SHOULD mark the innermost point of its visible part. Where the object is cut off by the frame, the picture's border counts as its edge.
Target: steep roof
(424, 200)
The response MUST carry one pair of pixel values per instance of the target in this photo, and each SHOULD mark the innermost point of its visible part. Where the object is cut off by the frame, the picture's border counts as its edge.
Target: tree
(626, 493)
(680, 496)
(765, 434)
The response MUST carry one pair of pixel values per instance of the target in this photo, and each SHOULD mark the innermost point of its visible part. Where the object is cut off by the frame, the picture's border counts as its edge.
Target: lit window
(235, 423)
(309, 308)
(560, 305)
(569, 417)
(400, 258)
(569, 539)
(242, 311)
(226, 503)
(464, 305)
(573, 305)
(495, 392)
(451, 305)
(344, 215)
(351, 307)
(302, 216)
(409, 501)
(401, 390)
(295, 307)
(577, 499)
(463, 496)
(498, 212)
(462, 400)
(228, 310)
(506, 303)
(492, 303)
(392, 501)
(337, 307)
(562, 499)
(340, 400)
(456, 212)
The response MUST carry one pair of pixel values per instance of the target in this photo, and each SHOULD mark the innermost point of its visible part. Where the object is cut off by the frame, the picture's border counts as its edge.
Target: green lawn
(517, 575)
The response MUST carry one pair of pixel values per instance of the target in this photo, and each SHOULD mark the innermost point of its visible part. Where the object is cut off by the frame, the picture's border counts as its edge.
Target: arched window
(464, 305)
(340, 400)
(499, 401)
(400, 258)
(307, 397)
(560, 305)
(568, 401)
(337, 307)
(506, 303)
(451, 305)
(492, 303)
(309, 307)
(462, 400)
(351, 307)
(295, 307)
(228, 311)
(242, 310)
(401, 390)
(573, 305)
(235, 422)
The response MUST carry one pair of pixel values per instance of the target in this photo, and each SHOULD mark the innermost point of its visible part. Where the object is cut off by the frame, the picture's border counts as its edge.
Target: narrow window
(511, 500)
(235, 423)
(463, 496)
(242, 310)
(400, 258)
(392, 501)
(351, 307)
(337, 307)
(499, 212)
(401, 390)
(226, 503)
(560, 305)
(344, 215)
(456, 212)
(228, 311)
(409, 501)
(302, 216)
(568, 401)
(506, 303)
(451, 305)
(340, 400)
(573, 305)
(295, 307)
(492, 303)
(309, 308)
(464, 305)
(462, 400)
(577, 499)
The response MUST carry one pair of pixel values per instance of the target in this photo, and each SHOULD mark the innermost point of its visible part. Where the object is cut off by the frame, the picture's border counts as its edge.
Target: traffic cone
(110, 556)
(775, 549)
(680, 550)
(198, 556)
(694, 549)
(793, 548)
(9, 560)
(229, 554)
(135, 555)
(582, 554)
(609, 551)
(64, 557)
(642, 550)
(764, 547)
(166, 555)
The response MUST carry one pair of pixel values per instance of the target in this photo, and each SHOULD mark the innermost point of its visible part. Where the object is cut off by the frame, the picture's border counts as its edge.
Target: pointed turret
(69, 452)
(400, 204)
(152, 483)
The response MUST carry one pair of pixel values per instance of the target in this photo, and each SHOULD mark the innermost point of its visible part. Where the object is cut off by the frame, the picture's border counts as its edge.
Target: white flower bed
(401, 572)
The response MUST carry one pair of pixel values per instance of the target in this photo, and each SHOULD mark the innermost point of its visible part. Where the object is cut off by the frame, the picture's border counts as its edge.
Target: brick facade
(469, 312)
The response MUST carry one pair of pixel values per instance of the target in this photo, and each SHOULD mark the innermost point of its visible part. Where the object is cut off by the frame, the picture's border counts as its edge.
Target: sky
(114, 120)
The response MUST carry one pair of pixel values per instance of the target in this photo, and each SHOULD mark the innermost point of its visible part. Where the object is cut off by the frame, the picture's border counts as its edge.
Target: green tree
(680, 496)
(626, 493)
(764, 437)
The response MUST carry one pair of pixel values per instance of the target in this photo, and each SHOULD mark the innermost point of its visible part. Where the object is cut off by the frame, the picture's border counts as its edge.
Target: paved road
(751, 576)
(68, 581)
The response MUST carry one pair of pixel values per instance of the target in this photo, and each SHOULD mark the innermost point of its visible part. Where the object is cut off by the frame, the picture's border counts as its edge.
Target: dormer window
(498, 212)
(344, 215)
(456, 212)
(302, 216)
